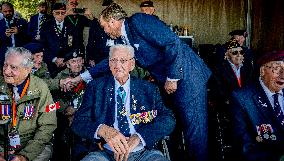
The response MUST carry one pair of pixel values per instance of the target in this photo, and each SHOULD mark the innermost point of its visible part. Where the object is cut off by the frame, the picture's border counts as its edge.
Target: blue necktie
(277, 109)
(121, 113)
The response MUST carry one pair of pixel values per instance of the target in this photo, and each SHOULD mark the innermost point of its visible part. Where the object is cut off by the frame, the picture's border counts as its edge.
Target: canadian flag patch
(52, 107)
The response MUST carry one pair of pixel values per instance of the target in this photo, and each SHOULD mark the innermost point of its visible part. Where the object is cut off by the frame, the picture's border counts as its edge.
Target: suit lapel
(110, 98)
(262, 101)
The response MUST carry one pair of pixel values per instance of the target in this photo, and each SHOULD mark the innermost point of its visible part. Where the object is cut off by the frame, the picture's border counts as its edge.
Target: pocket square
(136, 46)
(109, 42)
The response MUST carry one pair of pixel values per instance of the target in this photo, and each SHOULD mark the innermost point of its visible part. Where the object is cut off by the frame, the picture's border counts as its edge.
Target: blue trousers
(142, 155)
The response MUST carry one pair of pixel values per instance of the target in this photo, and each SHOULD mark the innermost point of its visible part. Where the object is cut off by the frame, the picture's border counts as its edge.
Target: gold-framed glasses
(122, 61)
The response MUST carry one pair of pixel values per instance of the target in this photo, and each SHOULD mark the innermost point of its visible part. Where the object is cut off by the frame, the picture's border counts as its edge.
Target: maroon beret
(271, 56)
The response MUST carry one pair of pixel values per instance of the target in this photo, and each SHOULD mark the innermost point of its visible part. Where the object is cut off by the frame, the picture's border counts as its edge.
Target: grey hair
(27, 61)
(114, 11)
(128, 48)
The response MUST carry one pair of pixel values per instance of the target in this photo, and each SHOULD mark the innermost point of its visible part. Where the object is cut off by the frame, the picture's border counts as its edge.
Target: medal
(70, 40)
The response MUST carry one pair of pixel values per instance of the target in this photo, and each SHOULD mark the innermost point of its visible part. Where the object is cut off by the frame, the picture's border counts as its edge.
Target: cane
(4, 123)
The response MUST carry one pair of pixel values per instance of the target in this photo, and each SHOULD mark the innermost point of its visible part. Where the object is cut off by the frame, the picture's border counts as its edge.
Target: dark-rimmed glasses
(60, 13)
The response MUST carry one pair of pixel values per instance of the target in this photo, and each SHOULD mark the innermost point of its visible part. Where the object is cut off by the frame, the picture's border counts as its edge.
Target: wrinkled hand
(88, 14)
(170, 86)
(8, 32)
(65, 84)
(115, 140)
(133, 141)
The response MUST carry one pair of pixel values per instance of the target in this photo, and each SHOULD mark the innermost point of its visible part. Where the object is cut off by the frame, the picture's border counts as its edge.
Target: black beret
(147, 4)
(59, 6)
(271, 56)
(239, 32)
(34, 47)
(73, 53)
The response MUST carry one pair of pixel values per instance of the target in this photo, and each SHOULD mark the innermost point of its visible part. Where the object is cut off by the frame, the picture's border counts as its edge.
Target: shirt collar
(267, 91)
(125, 86)
(234, 66)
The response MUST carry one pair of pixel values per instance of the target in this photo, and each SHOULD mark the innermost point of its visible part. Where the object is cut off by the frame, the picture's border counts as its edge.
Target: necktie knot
(121, 93)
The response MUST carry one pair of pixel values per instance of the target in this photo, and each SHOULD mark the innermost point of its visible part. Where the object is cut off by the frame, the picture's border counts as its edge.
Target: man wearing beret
(147, 7)
(55, 36)
(258, 112)
(40, 68)
(229, 75)
(70, 101)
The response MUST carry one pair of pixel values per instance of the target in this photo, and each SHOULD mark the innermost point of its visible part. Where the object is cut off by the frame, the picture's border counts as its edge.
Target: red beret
(271, 56)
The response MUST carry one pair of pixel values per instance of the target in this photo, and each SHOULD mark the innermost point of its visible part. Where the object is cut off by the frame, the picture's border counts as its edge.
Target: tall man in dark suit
(54, 37)
(171, 62)
(258, 112)
(12, 30)
(37, 20)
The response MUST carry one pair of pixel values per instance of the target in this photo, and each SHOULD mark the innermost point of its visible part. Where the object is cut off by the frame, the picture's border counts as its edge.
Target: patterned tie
(277, 109)
(121, 113)
(41, 21)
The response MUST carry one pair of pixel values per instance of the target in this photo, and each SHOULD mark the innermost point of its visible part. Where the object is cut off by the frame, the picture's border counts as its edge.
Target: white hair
(27, 61)
(128, 48)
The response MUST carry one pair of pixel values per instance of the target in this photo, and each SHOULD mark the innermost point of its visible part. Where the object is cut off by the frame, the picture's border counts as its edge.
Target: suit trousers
(141, 155)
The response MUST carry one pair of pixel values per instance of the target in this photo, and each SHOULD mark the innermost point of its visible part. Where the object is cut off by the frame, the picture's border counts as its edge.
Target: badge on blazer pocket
(144, 117)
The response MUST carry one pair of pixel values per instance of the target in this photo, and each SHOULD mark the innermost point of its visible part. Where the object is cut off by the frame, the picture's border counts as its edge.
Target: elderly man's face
(13, 71)
(72, 3)
(148, 10)
(7, 11)
(121, 63)
(272, 74)
(236, 56)
(59, 15)
(37, 59)
(75, 64)
(112, 28)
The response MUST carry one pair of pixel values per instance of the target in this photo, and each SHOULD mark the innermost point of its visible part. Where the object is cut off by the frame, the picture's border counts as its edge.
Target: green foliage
(25, 7)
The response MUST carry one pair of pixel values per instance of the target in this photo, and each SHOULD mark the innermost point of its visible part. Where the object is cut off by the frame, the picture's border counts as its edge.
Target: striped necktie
(277, 109)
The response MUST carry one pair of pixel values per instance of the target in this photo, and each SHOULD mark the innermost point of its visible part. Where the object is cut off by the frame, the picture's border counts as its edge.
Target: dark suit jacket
(20, 39)
(98, 107)
(251, 108)
(163, 54)
(96, 48)
(53, 42)
(33, 24)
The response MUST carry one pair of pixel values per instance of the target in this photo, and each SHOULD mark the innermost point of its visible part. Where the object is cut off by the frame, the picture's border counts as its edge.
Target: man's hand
(92, 63)
(115, 140)
(2, 155)
(170, 86)
(133, 141)
(65, 84)
(14, 30)
(19, 158)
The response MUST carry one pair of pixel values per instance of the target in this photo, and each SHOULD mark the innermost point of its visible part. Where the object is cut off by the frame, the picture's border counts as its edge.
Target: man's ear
(132, 65)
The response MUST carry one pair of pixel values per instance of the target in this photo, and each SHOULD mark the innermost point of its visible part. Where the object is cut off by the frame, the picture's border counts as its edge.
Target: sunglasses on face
(241, 52)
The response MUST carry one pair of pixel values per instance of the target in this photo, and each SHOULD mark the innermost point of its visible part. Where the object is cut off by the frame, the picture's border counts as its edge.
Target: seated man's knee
(97, 155)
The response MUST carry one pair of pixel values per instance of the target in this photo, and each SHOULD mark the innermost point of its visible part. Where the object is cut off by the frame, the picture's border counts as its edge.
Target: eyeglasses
(241, 52)
(60, 13)
(122, 61)
(276, 69)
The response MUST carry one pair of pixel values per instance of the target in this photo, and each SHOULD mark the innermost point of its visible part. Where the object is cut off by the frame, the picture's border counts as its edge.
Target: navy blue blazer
(33, 24)
(251, 109)
(96, 48)
(162, 53)
(53, 43)
(98, 107)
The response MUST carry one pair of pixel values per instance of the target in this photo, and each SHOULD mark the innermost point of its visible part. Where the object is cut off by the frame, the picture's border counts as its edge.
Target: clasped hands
(120, 145)
(68, 83)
